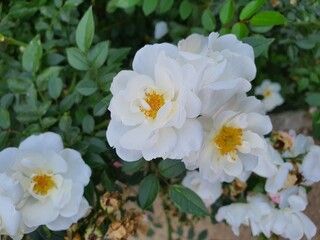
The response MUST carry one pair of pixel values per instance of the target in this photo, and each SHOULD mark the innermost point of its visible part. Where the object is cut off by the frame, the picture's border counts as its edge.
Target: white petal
(190, 138)
(78, 171)
(166, 142)
(259, 123)
(146, 58)
(136, 138)
(233, 167)
(10, 217)
(48, 141)
(120, 81)
(8, 157)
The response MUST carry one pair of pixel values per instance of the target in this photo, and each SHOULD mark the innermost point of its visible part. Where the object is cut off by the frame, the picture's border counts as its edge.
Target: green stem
(102, 125)
(12, 41)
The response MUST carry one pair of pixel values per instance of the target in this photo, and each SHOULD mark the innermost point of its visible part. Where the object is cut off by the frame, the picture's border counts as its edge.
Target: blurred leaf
(313, 99)
(106, 182)
(203, 235)
(89, 193)
(187, 201)
(94, 160)
(251, 8)
(165, 5)
(148, 191)
(67, 102)
(85, 31)
(149, 6)
(98, 54)
(86, 87)
(316, 124)
(31, 57)
(4, 118)
(4, 136)
(240, 30)
(185, 9)
(208, 21)
(227, 12)
(170, 168)
(132, 167)
(19, 84)
(55, 87)
(305, 44)
(268, 18)
(48, 122)
(88, 124)
(101, 107)
(259, 44)
(77, 59)
(65, 123)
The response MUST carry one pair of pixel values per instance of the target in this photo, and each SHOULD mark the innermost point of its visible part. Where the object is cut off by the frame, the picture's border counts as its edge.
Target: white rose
(154, 108)
(53, 179)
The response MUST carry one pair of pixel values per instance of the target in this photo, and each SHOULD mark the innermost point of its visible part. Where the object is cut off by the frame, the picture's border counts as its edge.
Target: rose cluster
(189, 102)
(42, 183)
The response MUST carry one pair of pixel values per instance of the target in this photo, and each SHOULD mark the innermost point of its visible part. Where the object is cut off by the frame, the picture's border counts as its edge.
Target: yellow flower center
(155, 102)
(228, 139)
(43, 183)
(267, 92)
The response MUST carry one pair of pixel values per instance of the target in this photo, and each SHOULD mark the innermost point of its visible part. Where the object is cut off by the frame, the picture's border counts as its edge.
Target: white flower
(270, 92)
(310, 167)
(160, 30)
(277, 181)
(301, 145)
(227, 67)
(233, 142)
(249, 214)
(154, 107)
(53, 180)
(11, 193)
(289, 221)
(209, 192)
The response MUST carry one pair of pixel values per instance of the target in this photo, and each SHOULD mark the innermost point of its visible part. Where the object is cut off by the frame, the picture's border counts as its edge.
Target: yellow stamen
(43, 183)
(155, 102)
(267, 92)
(228, 139)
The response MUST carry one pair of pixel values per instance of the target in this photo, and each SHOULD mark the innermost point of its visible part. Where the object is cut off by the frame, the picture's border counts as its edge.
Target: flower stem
(12, 41)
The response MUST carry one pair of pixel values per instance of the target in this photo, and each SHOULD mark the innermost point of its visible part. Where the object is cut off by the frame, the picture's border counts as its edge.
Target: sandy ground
(300, 121)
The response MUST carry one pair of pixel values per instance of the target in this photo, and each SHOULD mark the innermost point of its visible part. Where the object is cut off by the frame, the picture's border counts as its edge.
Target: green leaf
(268, 18)
(305, 43)
(149, 6)
(185, 9)
(106, 182)
(67, 102)
(89, 193)
(227, 12)
(203, 235)
(95, 160)
(187, 201)
(77, 59)
(240, 30)
(126, 3)
(31, 57)
(4, 118)
(46, 75)
(4, 136)
(251, 8)
(48, 122)
(313, 99)
(148, 191)
(88, 124)
(171, 168)
(85, 31)
(101, 107)
(208, 21)
(316, 124)
(19, 84)
(55, 87)
(65, 123)
(98, 54)
(259, 44)
(132, 167)
(165, 5)
(86, 87)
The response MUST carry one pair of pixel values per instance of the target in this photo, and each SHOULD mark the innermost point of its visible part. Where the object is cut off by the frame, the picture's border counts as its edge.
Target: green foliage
(148, 191)
(58, 60)
(187, 201)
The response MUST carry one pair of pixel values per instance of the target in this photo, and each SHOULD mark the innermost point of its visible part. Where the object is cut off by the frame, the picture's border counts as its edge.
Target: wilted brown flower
(93, 233)
(282, 141)
(117, 231)
(237, 187)
(111, 201)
